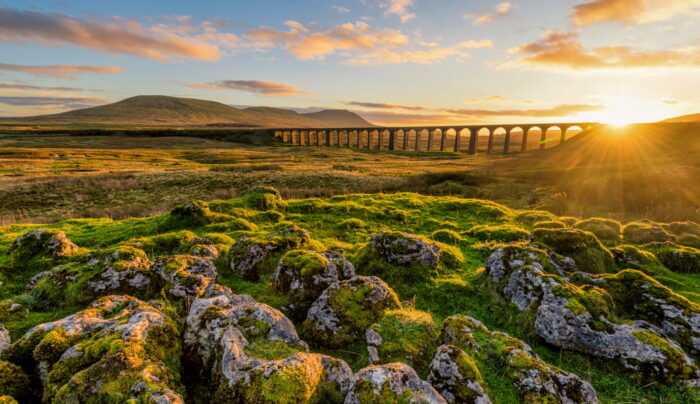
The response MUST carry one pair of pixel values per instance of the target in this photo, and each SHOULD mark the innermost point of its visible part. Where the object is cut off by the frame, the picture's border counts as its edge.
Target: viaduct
(410, 138)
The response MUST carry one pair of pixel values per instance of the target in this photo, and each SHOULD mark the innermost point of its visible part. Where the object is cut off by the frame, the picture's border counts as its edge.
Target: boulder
(4, 338)
(346, 309)
(251, 352)
(247, 254)
(405, 249)
(584, 318)
(645, 232)
(402, 335)
(41, 243)
(535, 380)
(393, 382)
(185, 275)
(581, 246)
(115, 349)
(504, 233)
(304, 275)
(456, 377)
(675, 257)
(629, 256)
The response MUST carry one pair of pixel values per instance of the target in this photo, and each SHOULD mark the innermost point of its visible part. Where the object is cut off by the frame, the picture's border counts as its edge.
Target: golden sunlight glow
(626, 109)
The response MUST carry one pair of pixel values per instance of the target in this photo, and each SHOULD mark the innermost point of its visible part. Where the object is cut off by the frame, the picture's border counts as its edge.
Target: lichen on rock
(391, 383)
(456, 377)
(535, 380)
(116, 349)
(346, 309)
(645, 232)
(582, 246)
(304, 275)
(185, 275)
(40, 244)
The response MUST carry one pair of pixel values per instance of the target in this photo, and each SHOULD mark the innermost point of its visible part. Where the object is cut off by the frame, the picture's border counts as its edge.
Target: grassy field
(47, 178)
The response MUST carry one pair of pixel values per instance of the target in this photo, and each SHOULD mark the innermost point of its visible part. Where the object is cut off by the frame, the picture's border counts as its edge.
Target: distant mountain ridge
(161, 110)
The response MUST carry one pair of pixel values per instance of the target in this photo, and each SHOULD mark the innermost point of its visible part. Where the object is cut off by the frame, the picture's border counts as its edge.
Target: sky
(396, 62)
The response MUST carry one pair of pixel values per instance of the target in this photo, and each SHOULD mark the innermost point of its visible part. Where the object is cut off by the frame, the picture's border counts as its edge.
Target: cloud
(28, 87)
(259, 87)
(670, 101)
(61, 102)
(116, 36)
(563, 50)
(630, 12)
(496, 98)
(375, 105)
(421, 56)
(305, 44)
(486, 43)
(399, 8)
(341, 9)
(60, 71)
(485, 17)
(556, 111)
(401, 119)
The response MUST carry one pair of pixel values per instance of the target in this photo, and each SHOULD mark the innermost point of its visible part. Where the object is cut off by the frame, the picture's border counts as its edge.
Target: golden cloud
(381, 105)
(630, 12)
(563, 50)
(116, 36)
(556, 111)
(60, 71)
(259, 87)
(485, 17)
(399, 8)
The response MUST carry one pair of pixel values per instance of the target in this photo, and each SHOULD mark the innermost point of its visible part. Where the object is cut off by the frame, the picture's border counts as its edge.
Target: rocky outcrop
(237, 339)
(456, 377)
(583, 247)
(346, 309)
(393, 382)
(117, 347)
(42, 242)
(185, 275)
(405, 249)
(535, 380)
(582, 318)
(248, 253)
(304, 275)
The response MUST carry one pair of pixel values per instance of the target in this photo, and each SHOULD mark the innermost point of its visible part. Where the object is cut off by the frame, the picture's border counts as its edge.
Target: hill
(159, 110)
(341, 117)
(685, 118)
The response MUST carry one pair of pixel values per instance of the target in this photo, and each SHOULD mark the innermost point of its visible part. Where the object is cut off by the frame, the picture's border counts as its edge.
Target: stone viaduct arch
(454, 138)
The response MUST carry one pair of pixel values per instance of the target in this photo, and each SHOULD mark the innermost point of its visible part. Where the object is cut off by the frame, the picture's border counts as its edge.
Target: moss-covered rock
(446, 236)
(120, 348)
(629, 256)
(681, 228)
(262, 198)
(304, 275)
(645, 232)
(4, 338)
(391, 383)
(192, 214)
(585, 316)
(13, 381)
(582, 246)
(529, 217)
(604, 229)
(454, 374)
(402, 256)
(346, 309)
(46, 244)
(535, 380)
(689, 240)
(549, 224)
(504, 233)
(403, 335)
(248, 255)
(185, 276)
(676, 258)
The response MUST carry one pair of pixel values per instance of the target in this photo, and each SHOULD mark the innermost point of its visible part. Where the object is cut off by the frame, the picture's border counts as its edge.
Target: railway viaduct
(411, 138)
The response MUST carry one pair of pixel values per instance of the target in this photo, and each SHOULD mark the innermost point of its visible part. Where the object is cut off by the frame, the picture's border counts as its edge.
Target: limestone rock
(346, 309)
(46, 243)
(581, 246)
(393, 382)
(4, 338)
(405, 249)
(456, 377)
(535, 380)
(106, 349)
(304, 275)
(185, 275)
(122, 269)
(578, 318)
(247, 253)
